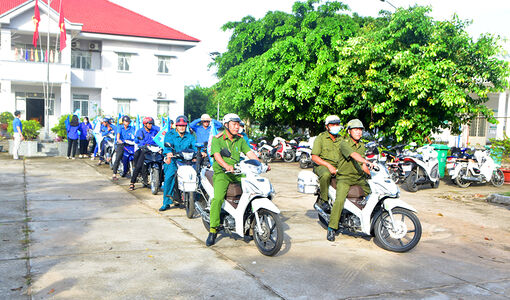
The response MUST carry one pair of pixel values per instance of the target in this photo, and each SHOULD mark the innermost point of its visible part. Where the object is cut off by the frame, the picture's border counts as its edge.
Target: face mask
(240, 130)
(334, 130)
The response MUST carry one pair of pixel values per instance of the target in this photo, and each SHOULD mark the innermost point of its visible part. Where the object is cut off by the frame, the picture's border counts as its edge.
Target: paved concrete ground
(68, 232)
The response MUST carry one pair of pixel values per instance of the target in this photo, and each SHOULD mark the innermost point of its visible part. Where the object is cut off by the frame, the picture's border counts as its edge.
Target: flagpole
(47, 91)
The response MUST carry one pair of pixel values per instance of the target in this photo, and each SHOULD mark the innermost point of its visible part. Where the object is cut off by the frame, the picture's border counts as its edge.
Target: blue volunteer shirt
(17, 123)
(201, 132)
(142, 137)
(105, 131)
(126, 134)
(187, 141)
(83, 130)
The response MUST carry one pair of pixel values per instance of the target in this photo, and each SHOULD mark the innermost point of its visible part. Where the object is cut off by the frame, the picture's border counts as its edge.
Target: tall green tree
(403, 74)
(197, 101)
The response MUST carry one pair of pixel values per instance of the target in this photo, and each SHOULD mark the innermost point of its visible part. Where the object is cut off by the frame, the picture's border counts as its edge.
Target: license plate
(450, 166)
(407, 168)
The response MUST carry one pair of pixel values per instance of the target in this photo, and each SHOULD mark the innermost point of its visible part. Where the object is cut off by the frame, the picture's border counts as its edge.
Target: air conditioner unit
(75, 44)
(94, 46)
(160, 95)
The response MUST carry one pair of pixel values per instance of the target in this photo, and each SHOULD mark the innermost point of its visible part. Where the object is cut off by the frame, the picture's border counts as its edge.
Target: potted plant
(5, 118)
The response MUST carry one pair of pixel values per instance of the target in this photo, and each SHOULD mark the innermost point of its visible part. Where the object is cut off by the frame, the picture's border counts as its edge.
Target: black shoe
(164, 207)
(331, 235)
(211, 239)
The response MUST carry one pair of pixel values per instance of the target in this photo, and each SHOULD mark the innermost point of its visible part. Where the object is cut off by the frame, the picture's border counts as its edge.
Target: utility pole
(389, 4)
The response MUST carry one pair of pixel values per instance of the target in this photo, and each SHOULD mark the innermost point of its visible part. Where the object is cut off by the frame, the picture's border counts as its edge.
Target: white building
(114, 59)
(480, 131)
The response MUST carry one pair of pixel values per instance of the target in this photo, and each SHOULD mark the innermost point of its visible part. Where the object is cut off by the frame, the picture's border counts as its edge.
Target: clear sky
(203, 19)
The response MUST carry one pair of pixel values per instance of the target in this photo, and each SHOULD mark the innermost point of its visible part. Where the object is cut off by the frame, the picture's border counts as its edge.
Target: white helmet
(333, 119)
(231, 118)
(205, 117)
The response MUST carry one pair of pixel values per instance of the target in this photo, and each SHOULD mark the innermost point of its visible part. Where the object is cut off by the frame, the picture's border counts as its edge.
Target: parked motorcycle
(279, 149)
(421, 167)
(381, 214)
(457, 156)
(248, 209)
(304, 153)
(481, 169)
(394, 162)
(109, 152)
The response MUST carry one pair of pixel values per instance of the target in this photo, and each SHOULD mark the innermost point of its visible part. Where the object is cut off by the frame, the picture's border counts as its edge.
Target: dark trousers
(84, 145)
(138, 159)
(72, 145)
(119, 150)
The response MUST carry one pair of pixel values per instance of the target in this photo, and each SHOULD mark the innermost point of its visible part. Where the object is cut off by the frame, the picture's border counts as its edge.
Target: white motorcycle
(304, 153)
(421, 167)
(481, 169)
(247, 209)
(187, 180)
(381, 214)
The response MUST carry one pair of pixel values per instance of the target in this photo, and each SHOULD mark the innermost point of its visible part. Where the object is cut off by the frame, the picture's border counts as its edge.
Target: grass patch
(505, 194)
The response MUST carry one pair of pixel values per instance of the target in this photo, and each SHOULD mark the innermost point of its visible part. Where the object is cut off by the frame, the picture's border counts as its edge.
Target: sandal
(132, 187)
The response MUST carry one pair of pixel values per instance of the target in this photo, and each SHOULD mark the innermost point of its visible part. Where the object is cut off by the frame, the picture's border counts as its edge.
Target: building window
(163, 109)
(124, 61)
(164, 64)
(81, 102)
(477, 126)
(81, 60)
(123, 106)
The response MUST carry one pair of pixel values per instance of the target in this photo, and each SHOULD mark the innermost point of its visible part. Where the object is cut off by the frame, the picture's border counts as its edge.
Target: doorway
(35, 110)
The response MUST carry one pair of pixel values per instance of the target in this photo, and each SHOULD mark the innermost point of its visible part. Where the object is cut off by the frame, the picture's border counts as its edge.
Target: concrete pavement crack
(26, 230)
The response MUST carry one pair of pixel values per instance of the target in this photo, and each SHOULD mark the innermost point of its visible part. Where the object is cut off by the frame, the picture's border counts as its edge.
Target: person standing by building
(85, 126)
(18, 134)
(202, 128)
(73, 129)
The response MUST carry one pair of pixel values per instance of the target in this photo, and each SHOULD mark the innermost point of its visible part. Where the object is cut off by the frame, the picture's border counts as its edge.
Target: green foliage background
(30, 129)
(403, 74)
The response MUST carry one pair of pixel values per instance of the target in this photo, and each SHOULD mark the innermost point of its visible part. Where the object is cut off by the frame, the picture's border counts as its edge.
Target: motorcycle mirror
(225, 152)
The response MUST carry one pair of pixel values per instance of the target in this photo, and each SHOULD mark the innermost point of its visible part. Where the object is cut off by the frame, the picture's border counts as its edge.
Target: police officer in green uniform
(226, 149)
(352, 167)
(325, 153)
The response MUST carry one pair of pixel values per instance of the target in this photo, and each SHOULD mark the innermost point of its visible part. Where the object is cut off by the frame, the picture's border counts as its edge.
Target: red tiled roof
(102, 16)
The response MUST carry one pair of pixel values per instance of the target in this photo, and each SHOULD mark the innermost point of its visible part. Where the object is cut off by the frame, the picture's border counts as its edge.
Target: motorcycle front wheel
(265, 156)
(401, 235)
(410, 182)
(498, 178)
(461, 182)
(289, 156)
(303, 161)
(189, 204)
(270, 239)
(154, 180)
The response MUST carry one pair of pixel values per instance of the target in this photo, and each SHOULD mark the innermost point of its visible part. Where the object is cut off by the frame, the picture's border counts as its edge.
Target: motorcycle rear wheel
(189, 204)
(270, 240)
(459, 181)
(303, 161)
(397, 239)
(154, 181)
(498, 178)
(410, 182)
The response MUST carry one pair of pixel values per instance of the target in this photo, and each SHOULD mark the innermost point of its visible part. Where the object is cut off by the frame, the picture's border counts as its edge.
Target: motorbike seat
(356, 194)
(234, 190)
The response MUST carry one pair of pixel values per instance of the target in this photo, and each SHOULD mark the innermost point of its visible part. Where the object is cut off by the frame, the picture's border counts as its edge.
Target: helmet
(231, 118)
(107, 120)
(332, 119)
(181, 121)
(205, 117)
(148, 120)
(355, 123)
(126, 118)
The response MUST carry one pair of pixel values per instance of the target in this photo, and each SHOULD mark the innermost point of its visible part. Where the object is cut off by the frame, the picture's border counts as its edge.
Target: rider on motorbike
(143, 137)
(124, 133)
(226, 148)
(352, 167)
(180, 140)
(106, 129)
(202, 127)
(325, 153)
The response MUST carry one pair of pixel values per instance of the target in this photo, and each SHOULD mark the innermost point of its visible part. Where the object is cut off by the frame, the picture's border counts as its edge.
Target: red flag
(62, 26)
(36, 18)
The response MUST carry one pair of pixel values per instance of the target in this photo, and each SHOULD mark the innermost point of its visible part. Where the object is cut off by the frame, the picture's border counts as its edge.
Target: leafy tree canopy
(197, 101)
(404, 74)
